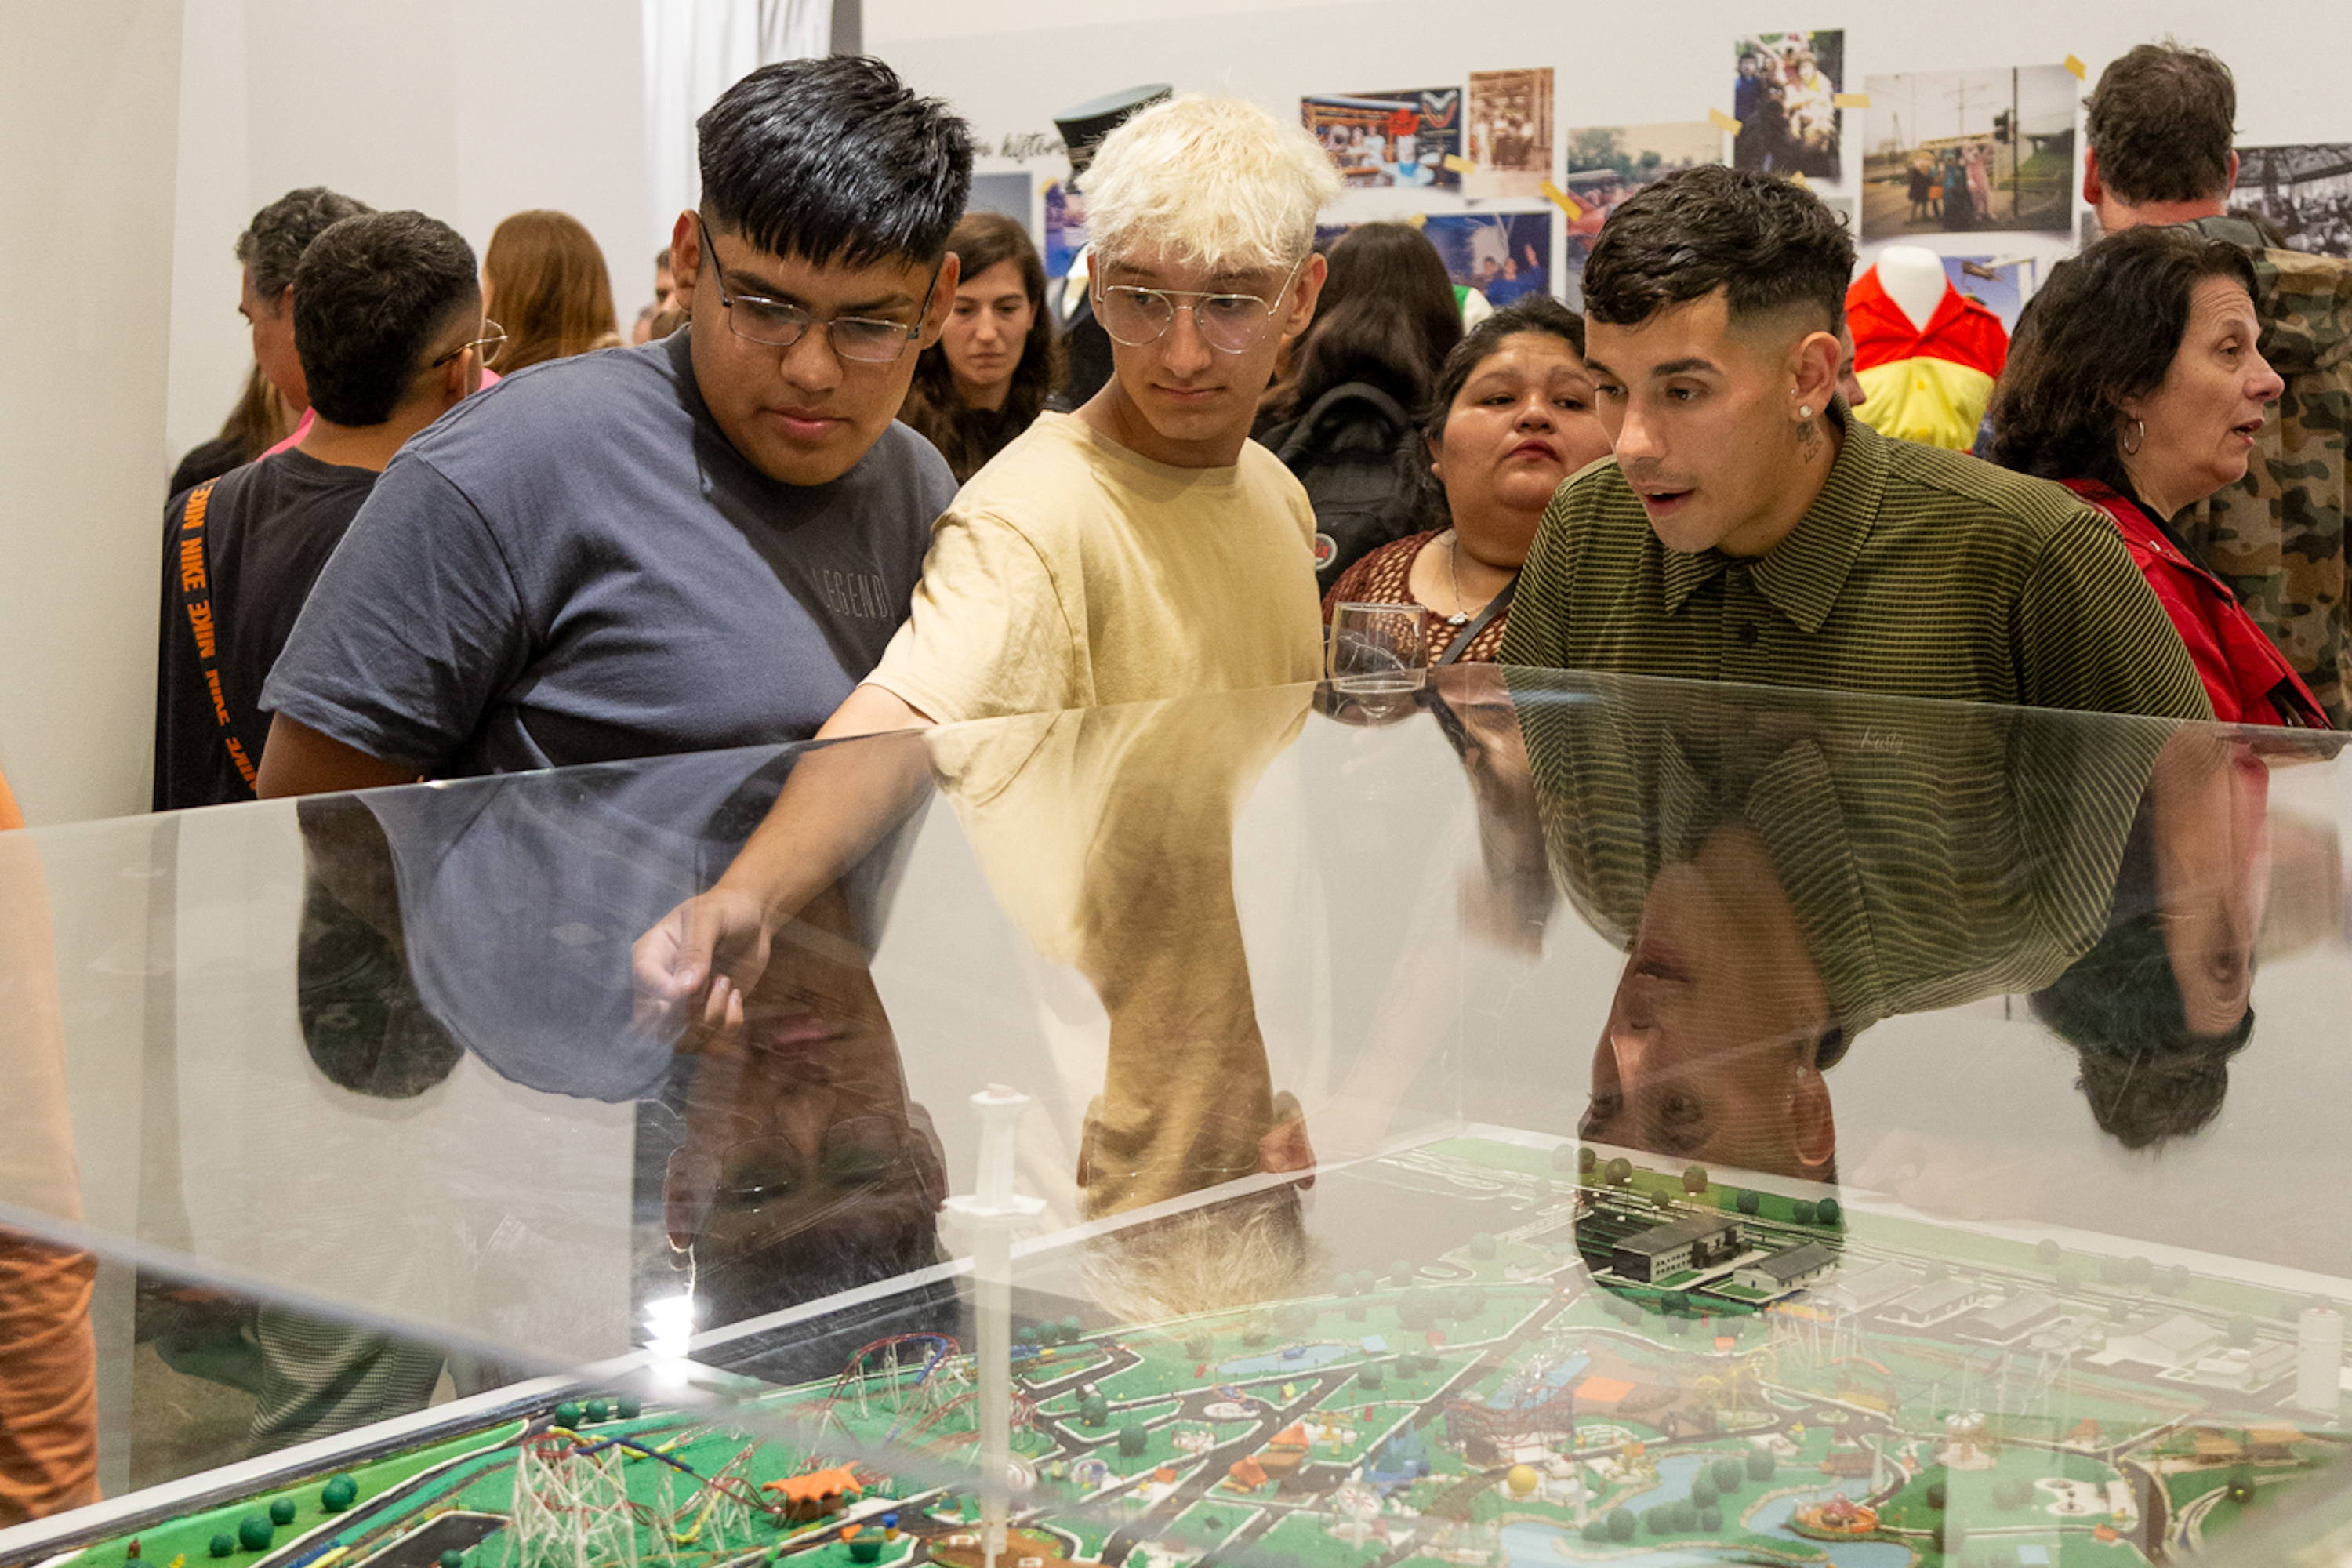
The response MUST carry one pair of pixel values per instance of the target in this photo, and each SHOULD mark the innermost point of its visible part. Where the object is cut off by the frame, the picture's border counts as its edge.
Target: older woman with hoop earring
(2137, 381)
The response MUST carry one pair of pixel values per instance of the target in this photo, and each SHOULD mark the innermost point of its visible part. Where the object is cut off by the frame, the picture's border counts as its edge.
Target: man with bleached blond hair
(1140, 548)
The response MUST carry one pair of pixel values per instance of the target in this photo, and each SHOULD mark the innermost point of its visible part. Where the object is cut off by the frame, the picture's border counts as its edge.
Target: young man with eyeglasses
(1140, 548)
(705, 541)
(387, 321)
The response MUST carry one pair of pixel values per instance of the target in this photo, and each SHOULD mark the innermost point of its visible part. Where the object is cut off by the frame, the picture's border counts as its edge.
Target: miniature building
(1872, 1288)
(1784, 1272)
(1697, 1242)
(1932, 1304)
(2178, 1340)
(2010, 1319)
(818, 1493)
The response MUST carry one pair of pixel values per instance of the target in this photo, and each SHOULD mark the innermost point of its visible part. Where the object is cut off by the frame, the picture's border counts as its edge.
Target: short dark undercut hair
(372, 297)
(2162, 120)
(834, 161)
(271, 246)
(1769, 244)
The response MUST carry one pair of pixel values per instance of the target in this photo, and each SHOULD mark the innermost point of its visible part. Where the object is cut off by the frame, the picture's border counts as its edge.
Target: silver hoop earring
(2132, 449)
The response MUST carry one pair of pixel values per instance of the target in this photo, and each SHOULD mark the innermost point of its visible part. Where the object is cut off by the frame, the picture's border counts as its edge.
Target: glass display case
(1531, 1118)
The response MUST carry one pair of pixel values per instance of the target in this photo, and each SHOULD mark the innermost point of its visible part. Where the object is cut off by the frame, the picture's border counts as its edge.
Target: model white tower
(2319, 1359)
(994, 1212)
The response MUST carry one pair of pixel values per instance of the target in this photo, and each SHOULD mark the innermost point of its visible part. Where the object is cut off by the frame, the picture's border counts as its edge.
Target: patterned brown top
(1385, 578)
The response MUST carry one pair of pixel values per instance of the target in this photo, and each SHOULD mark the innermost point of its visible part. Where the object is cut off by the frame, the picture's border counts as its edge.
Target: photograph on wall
(2001, 284)
(1066, 227)
(1607, 164)
(1504, 256)
(1509, 132)
(2303, 192)
(1386, 138)
(1785, 98)
(1955, 151)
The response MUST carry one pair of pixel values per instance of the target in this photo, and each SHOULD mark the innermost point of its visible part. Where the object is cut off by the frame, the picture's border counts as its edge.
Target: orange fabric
(49, 1381)
(1930, 383)
(48, 1359)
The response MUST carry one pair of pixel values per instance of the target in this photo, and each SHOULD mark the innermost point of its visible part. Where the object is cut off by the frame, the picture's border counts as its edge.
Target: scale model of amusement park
(1608, 1363)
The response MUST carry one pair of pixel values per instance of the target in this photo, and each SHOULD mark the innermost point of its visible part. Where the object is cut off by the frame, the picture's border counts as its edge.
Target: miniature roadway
(1817, 1392)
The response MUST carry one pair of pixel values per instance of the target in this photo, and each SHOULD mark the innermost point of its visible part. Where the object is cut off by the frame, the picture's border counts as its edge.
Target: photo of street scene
(2303, 192)
(1955, 151)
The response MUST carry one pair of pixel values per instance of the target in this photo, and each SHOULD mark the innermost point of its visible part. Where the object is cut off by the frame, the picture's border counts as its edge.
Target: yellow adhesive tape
(1851, 101)
(2082, 72)
(1723, 122)
(1563, 200)
(1458, 163)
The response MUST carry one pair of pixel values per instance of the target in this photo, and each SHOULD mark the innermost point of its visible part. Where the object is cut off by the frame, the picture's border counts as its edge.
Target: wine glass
(1378, 655)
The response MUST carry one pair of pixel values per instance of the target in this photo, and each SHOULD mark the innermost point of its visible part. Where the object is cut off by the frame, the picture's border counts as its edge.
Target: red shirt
(2249, 680)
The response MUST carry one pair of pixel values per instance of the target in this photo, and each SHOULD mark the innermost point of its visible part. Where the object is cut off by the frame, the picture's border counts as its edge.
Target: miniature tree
(222, 1544)
(1587, 1160)
(1760, 1465)
(1751, 1202)
(1617, 1171)
(1623, 1524)
(1131, 1441)
(1401, 1272)
(252, 1532)
(1292, 1319)
(1802, 1211)
(1829, 1211)
(281, 1511)
(1728, 1474)
(1596, 1528)
(1200, 1347)
(2239, 1487)
(339, 1494)
(1937, 1496)
(2047, 1252)
(1710, 1519)
(2177, 1278)
(1685, 1516)
(1659, 1519)
(1345, 1285)
(1368, 1376)
(1702, 1491)
(1094, 1410)
(2138, 1273)
(1693, 1179)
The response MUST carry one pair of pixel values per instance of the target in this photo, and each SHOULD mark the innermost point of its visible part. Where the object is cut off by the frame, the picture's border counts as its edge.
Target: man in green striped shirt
(1750, 530)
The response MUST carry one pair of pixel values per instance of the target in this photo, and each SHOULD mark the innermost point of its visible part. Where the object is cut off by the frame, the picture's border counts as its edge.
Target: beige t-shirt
(1070, 573)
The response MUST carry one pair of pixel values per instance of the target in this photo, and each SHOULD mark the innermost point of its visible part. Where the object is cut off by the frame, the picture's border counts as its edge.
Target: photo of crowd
(1785, 98)
(2303, 190)
(1510, 131)
(1386, 138)
(1504, 256)
(1955, 151)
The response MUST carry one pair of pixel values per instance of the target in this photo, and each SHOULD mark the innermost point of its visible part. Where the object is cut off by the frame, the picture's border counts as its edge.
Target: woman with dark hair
(2136, 381)
(1337, 416)
(543, 279)
(1511, 417)
(987, 378)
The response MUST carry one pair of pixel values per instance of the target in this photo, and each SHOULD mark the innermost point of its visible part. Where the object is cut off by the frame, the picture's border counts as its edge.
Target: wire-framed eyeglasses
(778, 325)
(1229, 323)
(493, 338)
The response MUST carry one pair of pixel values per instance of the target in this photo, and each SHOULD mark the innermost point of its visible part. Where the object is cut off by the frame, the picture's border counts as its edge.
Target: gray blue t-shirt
(575, 565)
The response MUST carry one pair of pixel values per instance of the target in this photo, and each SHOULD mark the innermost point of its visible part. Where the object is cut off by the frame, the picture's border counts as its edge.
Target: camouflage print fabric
(2276, 537)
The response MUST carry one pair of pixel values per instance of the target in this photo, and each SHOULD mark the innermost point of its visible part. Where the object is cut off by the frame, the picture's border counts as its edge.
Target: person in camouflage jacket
(2160, 125)
(2276, 536)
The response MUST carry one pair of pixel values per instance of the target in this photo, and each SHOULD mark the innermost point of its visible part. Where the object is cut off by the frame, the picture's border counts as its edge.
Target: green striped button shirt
(1917, 572)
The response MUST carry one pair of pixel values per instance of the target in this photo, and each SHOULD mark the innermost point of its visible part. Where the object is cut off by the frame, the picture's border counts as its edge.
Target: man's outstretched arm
(298, 760)
(835, 806)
